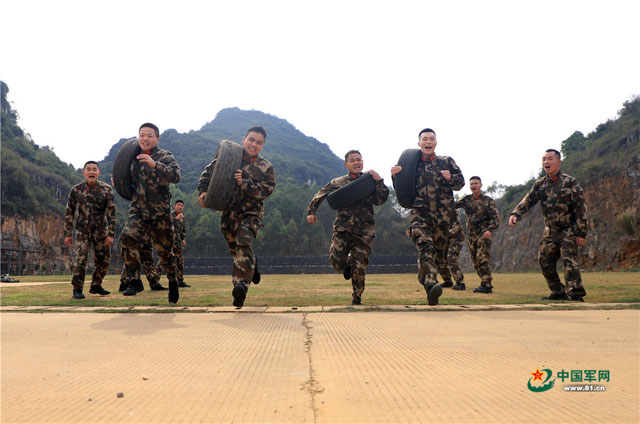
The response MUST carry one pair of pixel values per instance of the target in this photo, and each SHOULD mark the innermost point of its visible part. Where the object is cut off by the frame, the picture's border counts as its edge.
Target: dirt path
(317, 367)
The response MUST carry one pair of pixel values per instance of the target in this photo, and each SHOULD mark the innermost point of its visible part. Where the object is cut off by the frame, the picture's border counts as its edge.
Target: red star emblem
(537, 375)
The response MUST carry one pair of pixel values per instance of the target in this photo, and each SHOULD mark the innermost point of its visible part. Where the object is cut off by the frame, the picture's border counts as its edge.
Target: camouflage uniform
(150, 213)
(482, 215)
(96, 221)
(565, 218)
(433, 213)
(353, 230)
(452, 266)
(179, 235)
(148, 265)
(242, 219)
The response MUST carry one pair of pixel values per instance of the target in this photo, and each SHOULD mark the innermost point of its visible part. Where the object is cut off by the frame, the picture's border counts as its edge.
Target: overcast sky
(499, 81)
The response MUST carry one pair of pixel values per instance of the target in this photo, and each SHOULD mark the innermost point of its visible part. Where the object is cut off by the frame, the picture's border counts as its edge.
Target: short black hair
(554, 151)
(152, 126)
(475, 177)
(259, 130)
(350, 152)
(426, 130)
(90, 161)
(178, 201)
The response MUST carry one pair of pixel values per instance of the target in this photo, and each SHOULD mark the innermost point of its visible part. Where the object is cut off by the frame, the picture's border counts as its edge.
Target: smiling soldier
(96, 224)
(241, 220)
(565, 227)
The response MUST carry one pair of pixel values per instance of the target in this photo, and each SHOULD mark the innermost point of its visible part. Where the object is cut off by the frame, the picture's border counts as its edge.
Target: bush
(629, 221)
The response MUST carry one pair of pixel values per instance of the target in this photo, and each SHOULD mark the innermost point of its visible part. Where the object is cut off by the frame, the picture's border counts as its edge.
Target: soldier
(179, 241)
(354, 227)
(96, 224)
(242, 219)
(432, 212)
(565, 221)
(452, 266)
(149, 267)
(482, 220)
(150, 211)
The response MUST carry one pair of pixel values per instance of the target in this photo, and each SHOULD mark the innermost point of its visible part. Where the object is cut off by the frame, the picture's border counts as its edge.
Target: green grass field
(322, 289)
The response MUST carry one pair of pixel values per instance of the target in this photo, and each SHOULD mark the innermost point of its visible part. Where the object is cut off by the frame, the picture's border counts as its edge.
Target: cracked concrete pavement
(394, 366)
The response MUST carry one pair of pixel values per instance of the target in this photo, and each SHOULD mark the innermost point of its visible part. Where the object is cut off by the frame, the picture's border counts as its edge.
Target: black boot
(77, 294)
(174, 294)
(131, 289)
(434, 291)
(556, 296)
(139, 286)
(459, 286)
(123, 285)
(446, 284)
(98, 290)
(356, 300)
(183, 284)
(256, 274)
(483, 289)
(239, 295)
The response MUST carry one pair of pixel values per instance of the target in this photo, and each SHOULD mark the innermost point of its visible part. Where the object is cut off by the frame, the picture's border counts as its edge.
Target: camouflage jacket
(482, 214)
(563, 205)
(258, 182)
(179, 229)
(357, 218)
(434, 194)
(96, 209)
(151, 198)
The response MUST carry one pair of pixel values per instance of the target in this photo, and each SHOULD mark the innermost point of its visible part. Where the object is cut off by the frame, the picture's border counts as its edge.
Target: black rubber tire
(122, 168)
(352, 192)
(404, 182)
(223, 182)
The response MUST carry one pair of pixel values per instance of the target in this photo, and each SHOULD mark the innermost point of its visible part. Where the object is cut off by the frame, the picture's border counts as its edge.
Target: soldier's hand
(180, 216)
(487, 235)
(446, 174)
(146, 159)
(238, 176)
(375, 175)
(395, 169)
(512, 220)
(581, 241)
(184, 243)
(108, 241)
(201, 198)
(312, 219)
(68, 241)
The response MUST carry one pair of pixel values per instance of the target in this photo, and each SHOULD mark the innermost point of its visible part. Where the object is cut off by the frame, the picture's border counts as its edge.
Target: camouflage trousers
(348, 249)
(452, 266)
(148, 265)
(565, 248)
(432, 243)
(240, 230)
(480, 251)
(102, 256)
(132, 241)
(177, 252)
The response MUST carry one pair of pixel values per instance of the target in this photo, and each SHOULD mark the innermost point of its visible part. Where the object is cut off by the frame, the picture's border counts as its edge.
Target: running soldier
(565, 220)
(482, 219)
(150, 211)
(354, 227)
(179, 241)
(432, 212)
(452, 266)
(96, 225)
(241, 220)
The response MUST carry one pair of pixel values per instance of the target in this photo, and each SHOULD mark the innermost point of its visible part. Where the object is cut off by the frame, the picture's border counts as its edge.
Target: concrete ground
(397, 366)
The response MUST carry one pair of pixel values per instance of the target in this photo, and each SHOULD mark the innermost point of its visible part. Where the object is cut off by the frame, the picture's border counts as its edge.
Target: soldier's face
(475, 186)
(147, 139)
(354, 163)
(179, 207)
(427, 143)
(91, 173)
(253, 143)
(551, 163)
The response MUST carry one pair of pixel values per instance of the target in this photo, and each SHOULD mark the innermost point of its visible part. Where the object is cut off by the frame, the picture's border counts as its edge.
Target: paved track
(421, 366)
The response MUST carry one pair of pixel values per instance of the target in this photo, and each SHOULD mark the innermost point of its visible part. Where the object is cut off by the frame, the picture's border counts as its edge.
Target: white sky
(499, 81)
